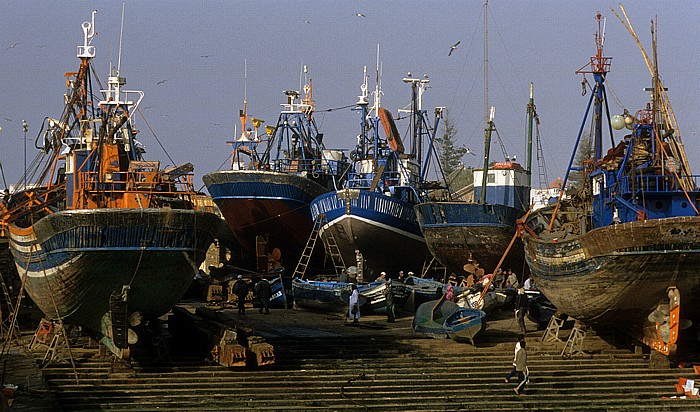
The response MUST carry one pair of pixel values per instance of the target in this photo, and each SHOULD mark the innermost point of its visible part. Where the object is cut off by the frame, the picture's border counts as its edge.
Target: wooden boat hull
(618, 274)
(464, 324)
(454, 231)
(74, 260)
(382, 228)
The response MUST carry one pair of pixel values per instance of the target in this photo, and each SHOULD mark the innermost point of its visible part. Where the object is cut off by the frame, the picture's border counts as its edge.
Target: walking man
(263, 290)
(521, 368)
(515, 355)
(240, 289)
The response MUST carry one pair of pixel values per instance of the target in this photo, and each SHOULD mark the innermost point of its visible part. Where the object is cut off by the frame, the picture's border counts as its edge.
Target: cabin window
(491, 178)
(69, 163)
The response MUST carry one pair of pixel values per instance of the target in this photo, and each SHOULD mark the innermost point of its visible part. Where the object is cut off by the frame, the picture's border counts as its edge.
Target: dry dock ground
(324, 364)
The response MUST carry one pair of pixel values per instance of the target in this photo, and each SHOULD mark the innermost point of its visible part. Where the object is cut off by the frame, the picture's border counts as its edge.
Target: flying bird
(13, 46)
(360, 15)
(307, 22)
(9, 120)
(162, 81)
(469, 151)
(205, 56)
(453, 48)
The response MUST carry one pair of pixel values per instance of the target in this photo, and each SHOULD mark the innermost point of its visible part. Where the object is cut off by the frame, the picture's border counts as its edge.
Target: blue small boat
(278, 299)
(322, 296)
(421, 290)
(373, 293)
(464, 323)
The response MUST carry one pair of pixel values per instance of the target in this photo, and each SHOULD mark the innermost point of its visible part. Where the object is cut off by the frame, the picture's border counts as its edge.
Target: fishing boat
(430, 317)
(625, 248)
(278, 297)
(332, 296)
(464, 323)
(102, 238)
(373, 294)
(274, 177)
(483, 228)
(373, 214)
(539, 309)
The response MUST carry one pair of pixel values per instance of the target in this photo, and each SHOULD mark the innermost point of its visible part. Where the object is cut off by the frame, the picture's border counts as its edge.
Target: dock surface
(324, 364)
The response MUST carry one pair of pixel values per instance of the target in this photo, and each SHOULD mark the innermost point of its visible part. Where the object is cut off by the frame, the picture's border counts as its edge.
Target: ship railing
(382, 204)
(364, 180)
(314, 166)
(365, 200)
(652, 184)
(126, 182)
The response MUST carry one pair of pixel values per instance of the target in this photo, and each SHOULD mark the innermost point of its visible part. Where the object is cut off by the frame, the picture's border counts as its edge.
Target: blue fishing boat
(624, 250)
(539, 309)
(373, 213)
(279, 298)
(483, 227)
(274, 177)
(324, 296)
(373, 294)
(464, 323)
(103, 238)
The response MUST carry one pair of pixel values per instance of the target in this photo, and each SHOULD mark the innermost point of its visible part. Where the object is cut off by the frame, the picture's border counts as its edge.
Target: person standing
(521, 305)
(354, 304)
(512, 280)
(389, 295)
(240, 289)
(521, 368)
(263, 290)
(530, 284)
(402, 277)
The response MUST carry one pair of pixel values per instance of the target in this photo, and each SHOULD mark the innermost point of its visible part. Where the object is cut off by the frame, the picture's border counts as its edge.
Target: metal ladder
(330, 247)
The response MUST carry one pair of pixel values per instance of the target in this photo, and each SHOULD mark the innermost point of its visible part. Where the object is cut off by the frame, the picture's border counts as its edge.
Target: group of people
(262, 291)
(388, 292)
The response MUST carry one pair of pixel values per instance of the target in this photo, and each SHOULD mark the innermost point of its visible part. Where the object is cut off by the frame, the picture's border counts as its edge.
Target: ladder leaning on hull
(329, 244)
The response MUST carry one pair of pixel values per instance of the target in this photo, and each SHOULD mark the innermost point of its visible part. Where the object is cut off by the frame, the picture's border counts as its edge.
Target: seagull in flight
(13, 46)
(469, 151)
(205, 56)
(307, 22)
(359, 15)
(453, 48)
(162, 81)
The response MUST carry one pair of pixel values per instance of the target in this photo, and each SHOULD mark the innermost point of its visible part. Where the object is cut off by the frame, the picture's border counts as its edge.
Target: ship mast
(486, 60)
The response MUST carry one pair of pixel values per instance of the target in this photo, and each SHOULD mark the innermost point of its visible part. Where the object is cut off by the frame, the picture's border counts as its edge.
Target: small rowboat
(464, 323)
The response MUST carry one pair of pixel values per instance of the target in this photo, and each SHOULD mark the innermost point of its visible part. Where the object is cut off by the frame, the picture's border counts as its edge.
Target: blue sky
(195, 110)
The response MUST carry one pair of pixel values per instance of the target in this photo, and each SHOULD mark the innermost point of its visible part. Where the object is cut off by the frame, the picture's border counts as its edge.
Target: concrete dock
(324, 364)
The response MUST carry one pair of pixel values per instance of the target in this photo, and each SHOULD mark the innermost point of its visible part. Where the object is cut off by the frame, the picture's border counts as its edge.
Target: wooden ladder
(330, 247)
